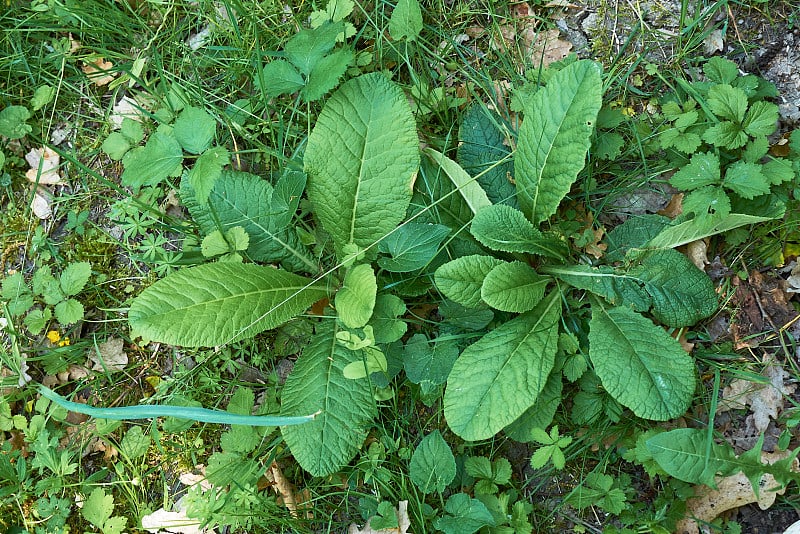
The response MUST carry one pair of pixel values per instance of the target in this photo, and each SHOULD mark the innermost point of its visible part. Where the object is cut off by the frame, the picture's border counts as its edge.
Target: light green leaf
(406, 20)
(98, 507)
(639, 364)
(116, 145)
(42, 96)
(726, 134)
(432, 465)
(69, 311)
(425, 363)
(214, 244)
(412, 246)
(374, 362)
(73, 279)
(37, 319)
(356, 299)
(309, 46)
(466, 185)
(12, 122)
(385, 322)
(461, 279)
(465, 515)
(501, 375)
(317, 382)
(207, 170)
(150, 164)
(513, 287)
(555, 137)
(132, 130)
(182, 309)
(327, 73)
(702, 170)
(194, 129)
(694, 229)
(135, 443)
(362, 158)
(506, 229)
(541, 412)
(727, 102)
(682, 454)
(279, 77)
(746, 180)
(721, 70)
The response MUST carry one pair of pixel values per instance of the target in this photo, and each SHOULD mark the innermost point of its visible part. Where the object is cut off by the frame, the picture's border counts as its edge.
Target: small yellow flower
(53, 336)
(64, 342)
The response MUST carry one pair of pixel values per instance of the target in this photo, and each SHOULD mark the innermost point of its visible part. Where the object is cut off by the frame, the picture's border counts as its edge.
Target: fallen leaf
(109, 356)
(177, 522)
(44, 164)
(403, 523)
(674, 207)
(732, 492)
(714, 42)
(545, 48)
(793, 281)
(697, 252)
(126, 108)
(98, 71)
(40, 204)
(285, 489)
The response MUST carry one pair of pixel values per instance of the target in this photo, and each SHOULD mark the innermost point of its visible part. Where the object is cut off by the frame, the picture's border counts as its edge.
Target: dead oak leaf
(99, 71)
(109, 356)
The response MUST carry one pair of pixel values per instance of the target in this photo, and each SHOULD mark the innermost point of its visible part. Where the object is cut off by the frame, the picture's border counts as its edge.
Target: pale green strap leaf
(218, 303)
(461, 279)
(356, 299)
(555, 137)
(501, 375)
(702, 227)
(466, 185)
(503, 228)
(639, 364)
(513, 287)
(362, 159)
(317, 382)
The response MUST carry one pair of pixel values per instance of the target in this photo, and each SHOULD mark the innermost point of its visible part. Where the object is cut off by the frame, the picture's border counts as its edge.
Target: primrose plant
(396, 219)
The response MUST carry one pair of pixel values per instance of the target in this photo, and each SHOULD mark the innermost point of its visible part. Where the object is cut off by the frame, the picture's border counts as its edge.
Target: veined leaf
(362, 158)
(513, 287)
(412, 246)
(540, 414)
(746, 180)
(217, 303)
(555, 137)
(506, 229)
(702, 170)
(664, 282)
(317, 383)
(356, 299)
(326, 74)
(194, 129)
(279, 77)
(461, 279)
(207, 170)
(501, 375)
(150, 164)
(310, 45)
(682, 454)
(406, 20)
(432, 465)
(386, 323)
(467, 186)
(639, 364)
(701, 227)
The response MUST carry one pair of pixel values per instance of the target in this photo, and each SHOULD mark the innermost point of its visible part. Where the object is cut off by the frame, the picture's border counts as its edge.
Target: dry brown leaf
(697, 252)
(545, 48)
(674, 207)
(98, 71)
(109, 356)
(291, 500)
(44, 164)
(403, 523)
(732, 492)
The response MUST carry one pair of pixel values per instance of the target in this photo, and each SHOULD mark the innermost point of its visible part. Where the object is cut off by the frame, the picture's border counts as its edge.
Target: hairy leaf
(194, 129)
(506, 229)
(217, 303)
(513, 287)
(555, 137)
(461, 279)
(362, 158)
(317, 382)
(501, 375)
(639, 364)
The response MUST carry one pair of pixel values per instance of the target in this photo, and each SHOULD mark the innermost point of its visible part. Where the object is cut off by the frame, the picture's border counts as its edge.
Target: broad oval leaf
(194, 129)
(461, 279)
(433, 465)
(218, 303)
(506, 229)
(639, 364)
(540, 414)
(355, 301)
(513, 287)
(684, 454)
(150, 164)
(501, 375)
(555, 137)
(362, 158)
(317, 383)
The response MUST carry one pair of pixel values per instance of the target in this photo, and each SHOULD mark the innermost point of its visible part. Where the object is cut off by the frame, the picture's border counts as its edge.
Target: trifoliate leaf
(194, 129)
(702, 170)
(355, 301)
(746, 180)
(432, 465)
(279, 77)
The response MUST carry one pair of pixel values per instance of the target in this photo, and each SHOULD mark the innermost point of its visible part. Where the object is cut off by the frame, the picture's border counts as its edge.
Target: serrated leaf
(469, 189)
(426, 363)
(639, 364)
(506, 229)
(326, 74)
(309, 46)
(481, 149)
(134, 443)
(207, 170)
(387, 327)
(74, 277)
(412, 246)
(720, 70)
(362, 158)
(160, 157)
(194, 129)
(356, 299)
(317, 382)
(182, 309)
(540, 414)
(461, 279)
(279, 77)
(406, 20)
(13, 122)
(69, 311)
(501, 375)
(746, 180)
(98, 507)
(702, 170)
(707, 200)
(36, 320)
(761, 119)
(726, 134)
(432, 465)
(513, 287)
(727, 102)
(778, 171)
(555, 137)
(466, 515)
(682, 454)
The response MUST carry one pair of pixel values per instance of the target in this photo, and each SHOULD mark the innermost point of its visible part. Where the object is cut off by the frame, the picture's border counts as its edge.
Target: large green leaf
(467, 186)
(461, 279)
(501, 375)
(555, 137)
(639, 364)
(362, 158)
(317, 383)
(513, 287)
(540, 414)
(150, 164)
(506, 229)
(664, 282)
(702, 227)
(243, 199)
(355, 301)
(218, 303)
(684, 454)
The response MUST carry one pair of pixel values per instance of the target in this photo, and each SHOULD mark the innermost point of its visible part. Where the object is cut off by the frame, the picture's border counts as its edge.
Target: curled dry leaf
(294, 501)
(674, 207)
(732, 492)
(109, 356)
(174, 522)
(126, 108)
(697, 252)
(98, 71)
(40, 205)
(403, 523)
(44, 164)
(793, 282)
